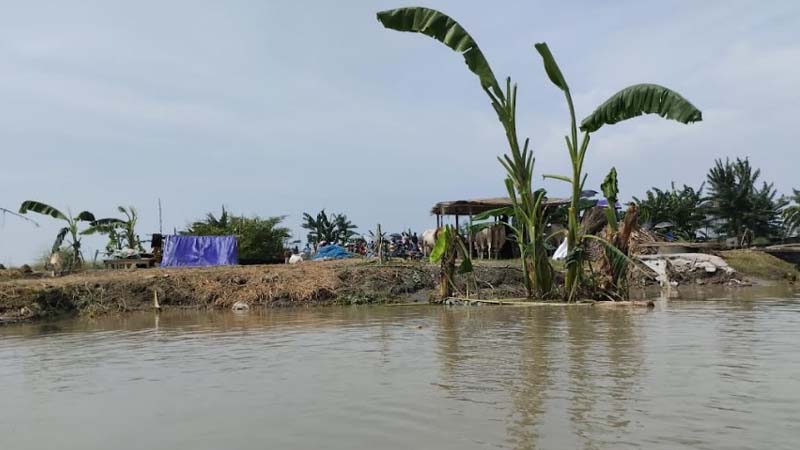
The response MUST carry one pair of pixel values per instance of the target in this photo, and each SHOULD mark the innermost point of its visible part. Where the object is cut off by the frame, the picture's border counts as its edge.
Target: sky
(283, 107)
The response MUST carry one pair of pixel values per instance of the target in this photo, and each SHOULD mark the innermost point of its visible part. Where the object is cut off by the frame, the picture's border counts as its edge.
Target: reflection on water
(718, 373)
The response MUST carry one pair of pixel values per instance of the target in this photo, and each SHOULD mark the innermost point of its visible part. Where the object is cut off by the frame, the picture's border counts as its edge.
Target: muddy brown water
(718, 373)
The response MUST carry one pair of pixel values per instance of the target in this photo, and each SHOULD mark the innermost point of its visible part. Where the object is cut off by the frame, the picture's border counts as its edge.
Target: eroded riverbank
(310, 283)
(102, 292)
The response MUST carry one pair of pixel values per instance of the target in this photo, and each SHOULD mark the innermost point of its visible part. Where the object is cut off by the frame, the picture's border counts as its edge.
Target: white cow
(56, 264)
(428, 240)
(490, 240)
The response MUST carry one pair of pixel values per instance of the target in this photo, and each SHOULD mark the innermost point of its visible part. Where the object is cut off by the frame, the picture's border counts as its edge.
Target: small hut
(471, 208)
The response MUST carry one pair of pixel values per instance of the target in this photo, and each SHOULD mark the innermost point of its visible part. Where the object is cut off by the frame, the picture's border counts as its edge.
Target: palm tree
(333, 228)
(740, 208)
(69, 232)
(683, 209)
(345, 229)
(791, 216)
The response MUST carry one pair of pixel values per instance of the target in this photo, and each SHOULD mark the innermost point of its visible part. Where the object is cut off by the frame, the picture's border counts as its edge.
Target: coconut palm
(69, 233)
(791, 216)
(742, 209)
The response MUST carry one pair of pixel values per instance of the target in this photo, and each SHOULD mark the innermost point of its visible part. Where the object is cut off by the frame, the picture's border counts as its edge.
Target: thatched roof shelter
(481, 205)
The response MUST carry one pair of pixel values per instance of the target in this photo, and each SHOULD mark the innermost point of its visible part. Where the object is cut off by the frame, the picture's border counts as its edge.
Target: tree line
(733, 203)
(260, 239)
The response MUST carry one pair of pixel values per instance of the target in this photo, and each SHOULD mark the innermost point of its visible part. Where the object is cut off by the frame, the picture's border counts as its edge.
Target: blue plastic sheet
(332, 251)
(194, 251)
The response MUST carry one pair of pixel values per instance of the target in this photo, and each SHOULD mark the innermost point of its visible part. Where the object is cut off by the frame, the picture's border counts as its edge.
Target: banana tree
(121, 233)
(449, 243)
(68, 233)
(527, 203)
(628, 103)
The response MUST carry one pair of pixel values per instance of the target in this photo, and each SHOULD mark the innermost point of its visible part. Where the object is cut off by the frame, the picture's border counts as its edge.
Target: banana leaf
(551, 67)
(640, 99)
(465, 266)
(610, 187)
(502, 211)
(441, 245)
(62, 233)
(444, 29)
(103, 226)
(85, 216)
(41, 208)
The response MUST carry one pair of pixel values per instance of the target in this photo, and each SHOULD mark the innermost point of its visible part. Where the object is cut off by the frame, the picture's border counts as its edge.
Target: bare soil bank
(310, 283)
(35, 296)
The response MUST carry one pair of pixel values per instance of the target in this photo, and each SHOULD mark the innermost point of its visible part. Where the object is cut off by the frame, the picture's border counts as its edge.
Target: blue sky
(280, 107)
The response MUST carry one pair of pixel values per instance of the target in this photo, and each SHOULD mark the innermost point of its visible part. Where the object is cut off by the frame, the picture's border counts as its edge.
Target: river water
(721, 373)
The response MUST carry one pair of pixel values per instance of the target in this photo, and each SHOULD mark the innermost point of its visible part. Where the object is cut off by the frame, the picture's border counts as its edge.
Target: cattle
(490, 240)
(56, 264)
(428, 240)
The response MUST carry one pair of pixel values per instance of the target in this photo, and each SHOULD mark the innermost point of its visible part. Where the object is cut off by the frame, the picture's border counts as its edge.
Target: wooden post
(380, 245)
(469, 235)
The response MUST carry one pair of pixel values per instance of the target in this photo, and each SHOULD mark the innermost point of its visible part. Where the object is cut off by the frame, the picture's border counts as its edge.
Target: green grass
(760, 265)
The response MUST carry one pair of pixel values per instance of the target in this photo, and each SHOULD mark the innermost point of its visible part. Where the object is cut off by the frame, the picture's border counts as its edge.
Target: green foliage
(121, 233)
(630, 102)
(610, 188)
(260, 239)
(41, 208)
(641, 99)
(741, 209)
(528, 211)
(333, 228)
(791, 216)
(527, 207)
(449, 243)
(447, 31)
(69, 233)
(684, 209)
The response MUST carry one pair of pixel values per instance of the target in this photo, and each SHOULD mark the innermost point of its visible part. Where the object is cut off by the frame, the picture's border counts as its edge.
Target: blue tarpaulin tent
(200, 251)
(332, 251)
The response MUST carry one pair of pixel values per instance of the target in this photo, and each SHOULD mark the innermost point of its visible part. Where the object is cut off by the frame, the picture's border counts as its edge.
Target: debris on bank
(682, 268)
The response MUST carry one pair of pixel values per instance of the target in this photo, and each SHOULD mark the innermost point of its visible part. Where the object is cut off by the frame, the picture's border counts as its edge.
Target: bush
(261, 240)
